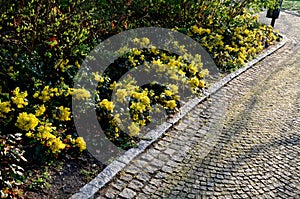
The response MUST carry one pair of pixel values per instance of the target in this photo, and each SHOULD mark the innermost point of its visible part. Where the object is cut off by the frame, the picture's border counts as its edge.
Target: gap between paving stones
(121, 162)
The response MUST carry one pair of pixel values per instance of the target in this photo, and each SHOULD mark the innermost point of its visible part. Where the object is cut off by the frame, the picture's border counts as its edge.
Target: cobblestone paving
(243, 142)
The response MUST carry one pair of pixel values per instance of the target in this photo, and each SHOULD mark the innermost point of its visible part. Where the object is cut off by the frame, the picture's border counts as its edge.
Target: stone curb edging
(291, 12)
(88, 190)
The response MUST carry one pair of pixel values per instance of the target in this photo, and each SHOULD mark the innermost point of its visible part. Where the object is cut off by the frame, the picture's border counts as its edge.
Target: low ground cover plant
(42, 46)
(291, 5)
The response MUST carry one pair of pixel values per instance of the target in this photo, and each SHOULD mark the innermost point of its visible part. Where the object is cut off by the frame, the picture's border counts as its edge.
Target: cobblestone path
(243, 142)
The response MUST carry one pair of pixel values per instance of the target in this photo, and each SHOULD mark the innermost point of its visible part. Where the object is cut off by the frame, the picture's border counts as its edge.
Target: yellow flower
(121, 94)
(117, 118)
(131, 59)
(157, 62)
(136, 40)
(27, 121)
(63, 114)
(154, 50)
(55, 90)
(168, 93)
(240, 60)
(19, 98)
(57, 145)
(80, 143)
(46, 127)
(45, 137)
(4, 108)
(240, 37)
(181, 72)
(142, 96)
(192, 68)
(246, 31)
(242, 56)
(137, 52)
(107, 105)
(28, 134)
(77, 64)
(97, 77)
(62, 64)
(113, 85)
(138, 106)
(172, 62)
(36, 95)
(45, 95)
(66, 92)
(171, 104)
(174, 88)
(69, 137)
(133, 129)
(145, 41)
(200, 30)
(81, 94)
(194, 82)
(40, 111)
(203, 73)
(201, 84)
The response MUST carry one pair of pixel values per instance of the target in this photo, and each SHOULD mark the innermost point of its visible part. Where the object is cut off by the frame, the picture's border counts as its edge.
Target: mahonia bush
(231, 51)
(231, 33)
(42, 46)
(142, 99)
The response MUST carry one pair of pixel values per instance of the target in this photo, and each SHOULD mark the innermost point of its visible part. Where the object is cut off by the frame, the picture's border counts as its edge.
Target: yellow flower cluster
(81, 94)
(46, 127)
(56, 145)
(195, 82)
(99, 78)
(39, 129)
(45, 136)
(63, 64)
(171, 104)
(185, 68)
(200, 30)
(232, 51)
(109, 106)
(143, 97)
(40, 110)
(133, 129)
(139, 105)
(168, 93)
(121, 94)
(4, 108)
(27, 121)
(46, 94)
(62, 113)
(174, 88)
(80, 143)
(143, 42)
(19, 98)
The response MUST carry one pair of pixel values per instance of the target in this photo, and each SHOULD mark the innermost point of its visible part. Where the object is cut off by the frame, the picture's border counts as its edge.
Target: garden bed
(59, 178)
(86, 168)
(43, 44)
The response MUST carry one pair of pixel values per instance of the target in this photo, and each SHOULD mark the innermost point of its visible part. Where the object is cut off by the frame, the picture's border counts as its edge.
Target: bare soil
(60, 178)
